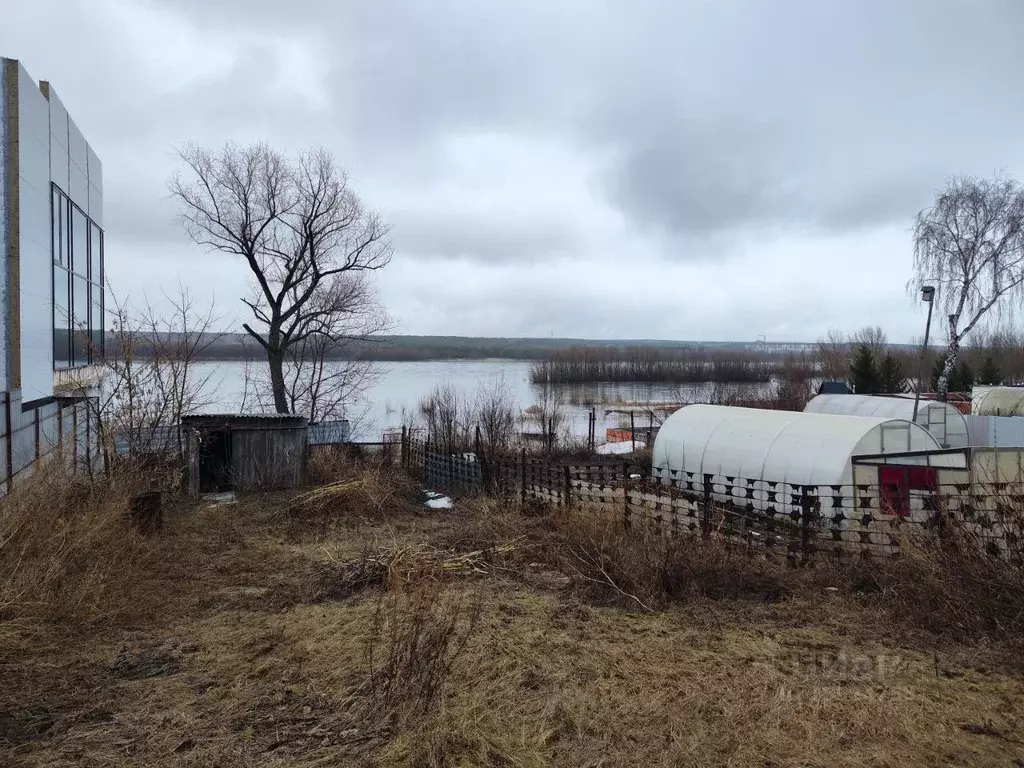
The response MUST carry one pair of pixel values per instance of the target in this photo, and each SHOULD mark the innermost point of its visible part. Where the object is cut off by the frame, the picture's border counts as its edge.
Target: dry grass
(493, 639)
(641, 567)
(952, 589)
(355, 496)
(418, 634)
(68, 553)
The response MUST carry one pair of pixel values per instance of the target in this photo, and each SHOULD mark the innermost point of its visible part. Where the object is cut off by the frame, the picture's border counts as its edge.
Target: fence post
(10, 440)
(625, 491)
(522, 475)
(405, 449)
(568, 485)
(476, 442)
(706, 512)
(806, 513)
(941, 517)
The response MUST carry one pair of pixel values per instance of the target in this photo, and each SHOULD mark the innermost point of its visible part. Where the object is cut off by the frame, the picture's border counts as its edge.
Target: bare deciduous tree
(874, 338)
(303, 232)
(326, 374)
(834, 355)
(150, 373)
(970, 246)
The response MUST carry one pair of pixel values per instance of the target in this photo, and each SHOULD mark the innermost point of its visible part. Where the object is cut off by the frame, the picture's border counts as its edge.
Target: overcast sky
(712, 170)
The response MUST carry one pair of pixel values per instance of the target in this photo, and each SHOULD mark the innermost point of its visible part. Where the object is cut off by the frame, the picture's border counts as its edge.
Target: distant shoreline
(236, 347)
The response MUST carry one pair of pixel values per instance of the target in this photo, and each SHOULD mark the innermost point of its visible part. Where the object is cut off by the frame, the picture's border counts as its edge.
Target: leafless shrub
(497, 416)
(451, 420)
(642, 567)
(447, 416)
(794, 388)
(549, 417)
(417, 636)
(150, 380)
(834, 355)
(950, 586)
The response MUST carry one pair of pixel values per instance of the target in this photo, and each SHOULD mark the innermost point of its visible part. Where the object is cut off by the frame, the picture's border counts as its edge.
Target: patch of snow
(227, 497)
(440, 502)
(614, 449)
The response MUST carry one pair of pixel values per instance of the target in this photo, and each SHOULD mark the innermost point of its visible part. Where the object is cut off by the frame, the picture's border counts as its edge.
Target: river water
(396, 393)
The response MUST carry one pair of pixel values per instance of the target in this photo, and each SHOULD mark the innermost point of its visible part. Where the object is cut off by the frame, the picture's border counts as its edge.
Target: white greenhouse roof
(945, 422)
(777, 446)
(997, 401)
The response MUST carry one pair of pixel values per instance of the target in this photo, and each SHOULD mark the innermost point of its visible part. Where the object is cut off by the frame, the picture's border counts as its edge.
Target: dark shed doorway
(215, 461)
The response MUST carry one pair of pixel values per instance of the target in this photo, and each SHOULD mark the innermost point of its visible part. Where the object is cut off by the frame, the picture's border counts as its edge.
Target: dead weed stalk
(647, 568)
(950, 587)
(417, 636)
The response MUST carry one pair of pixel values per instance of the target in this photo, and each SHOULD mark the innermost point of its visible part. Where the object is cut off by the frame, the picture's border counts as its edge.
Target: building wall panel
(49, 148)
(6, 114)
(78, 187)
(58, 141)
(78, 190)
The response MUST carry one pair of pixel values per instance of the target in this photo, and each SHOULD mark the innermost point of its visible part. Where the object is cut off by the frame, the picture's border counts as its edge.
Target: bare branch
(306, 237)
(970, 246)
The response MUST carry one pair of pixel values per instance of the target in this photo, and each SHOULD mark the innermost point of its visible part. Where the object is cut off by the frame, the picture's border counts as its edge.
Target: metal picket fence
(799, 520)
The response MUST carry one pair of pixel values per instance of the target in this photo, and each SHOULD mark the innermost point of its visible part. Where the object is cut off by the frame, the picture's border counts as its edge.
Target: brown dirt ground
(247, 664)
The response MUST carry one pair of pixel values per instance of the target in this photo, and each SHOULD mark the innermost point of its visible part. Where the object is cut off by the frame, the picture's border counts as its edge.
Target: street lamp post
(927, 296)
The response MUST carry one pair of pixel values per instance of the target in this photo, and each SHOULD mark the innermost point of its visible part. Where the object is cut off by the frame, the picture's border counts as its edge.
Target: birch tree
(970, 246)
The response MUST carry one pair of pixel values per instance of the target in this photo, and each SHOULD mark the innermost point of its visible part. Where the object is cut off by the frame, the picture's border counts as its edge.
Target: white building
(51, 280)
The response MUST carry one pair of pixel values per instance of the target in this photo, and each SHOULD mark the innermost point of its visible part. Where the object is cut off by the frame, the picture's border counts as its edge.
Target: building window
(61, 319)
(78, 316)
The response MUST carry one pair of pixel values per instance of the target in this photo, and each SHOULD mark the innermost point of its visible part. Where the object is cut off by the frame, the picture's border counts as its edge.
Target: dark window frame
(67, 269)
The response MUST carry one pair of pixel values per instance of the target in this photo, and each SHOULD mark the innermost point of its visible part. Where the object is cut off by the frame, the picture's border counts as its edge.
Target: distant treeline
(578, 365)
(238, 347)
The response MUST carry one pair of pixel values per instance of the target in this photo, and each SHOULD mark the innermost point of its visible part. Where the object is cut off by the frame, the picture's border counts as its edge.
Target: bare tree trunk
(942, 387)
(275, 359)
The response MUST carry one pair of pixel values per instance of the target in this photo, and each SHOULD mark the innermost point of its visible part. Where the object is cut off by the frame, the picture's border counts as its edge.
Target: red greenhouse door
(893, 484)
(897, 482)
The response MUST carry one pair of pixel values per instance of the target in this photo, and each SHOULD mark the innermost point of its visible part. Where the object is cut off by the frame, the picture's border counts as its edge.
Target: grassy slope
(249, 661)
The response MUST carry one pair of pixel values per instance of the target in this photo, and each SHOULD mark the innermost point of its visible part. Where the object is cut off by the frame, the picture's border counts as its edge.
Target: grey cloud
(693, 129)
(814, 114)
(492, 238)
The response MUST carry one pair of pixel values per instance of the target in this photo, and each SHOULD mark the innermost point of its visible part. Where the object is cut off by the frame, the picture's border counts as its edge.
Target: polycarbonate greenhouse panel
(997, 401)
(946, 423)
(778, 446)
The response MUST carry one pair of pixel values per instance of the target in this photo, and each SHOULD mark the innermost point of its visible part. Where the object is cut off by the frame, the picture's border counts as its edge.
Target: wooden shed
(245, 452)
